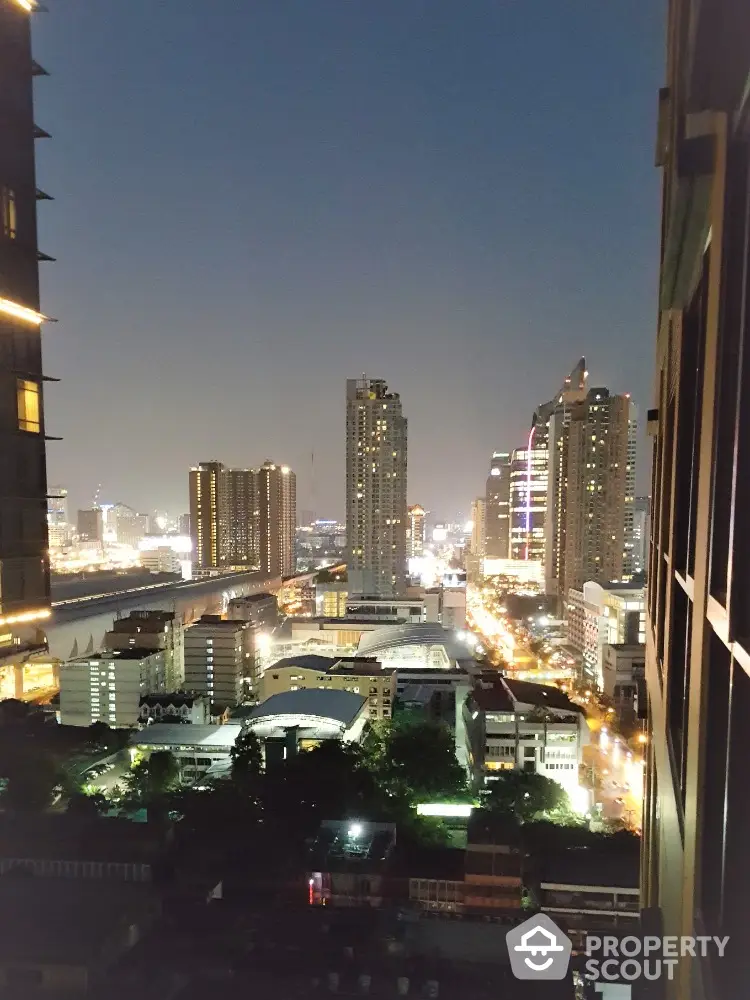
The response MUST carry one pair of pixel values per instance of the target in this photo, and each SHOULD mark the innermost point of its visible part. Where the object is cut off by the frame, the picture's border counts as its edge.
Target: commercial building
(478, 543)
(696, 866)
(331, 598)
(600, 491)
(302, 719)
(406, 609)
(601, 614)
(108, 686)
(497, 509)
(641, 514)
(151, 631)
(125, 525)
(415, 531)
(197, 749)
(624, 679)
(24, 556)
(376, 511)
(572, 393)
(528, 500)
(415, 646)
(259, 610)
(516, 724)
(90, 525)
(215, 652)
(360, 675)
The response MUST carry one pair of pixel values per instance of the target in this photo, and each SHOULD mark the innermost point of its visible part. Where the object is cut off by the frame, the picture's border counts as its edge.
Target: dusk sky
(256, 199)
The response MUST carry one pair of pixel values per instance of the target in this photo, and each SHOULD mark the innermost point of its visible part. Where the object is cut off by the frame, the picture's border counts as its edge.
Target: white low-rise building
(196, 748)
(107, 687)
(518, 725)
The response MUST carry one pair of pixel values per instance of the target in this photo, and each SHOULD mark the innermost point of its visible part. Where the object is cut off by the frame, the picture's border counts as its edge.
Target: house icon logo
(538, 949)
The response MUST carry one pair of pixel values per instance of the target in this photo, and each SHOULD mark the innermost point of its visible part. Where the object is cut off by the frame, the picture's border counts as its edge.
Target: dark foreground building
(24, 568)
(696, 865)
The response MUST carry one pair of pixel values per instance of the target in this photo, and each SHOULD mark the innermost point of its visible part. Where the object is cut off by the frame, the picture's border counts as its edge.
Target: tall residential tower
(696, 863)
(376, 511)
(24, 558)
(497, 508)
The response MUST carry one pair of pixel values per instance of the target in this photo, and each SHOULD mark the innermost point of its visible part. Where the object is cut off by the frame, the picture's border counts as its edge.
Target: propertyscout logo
(538, 949)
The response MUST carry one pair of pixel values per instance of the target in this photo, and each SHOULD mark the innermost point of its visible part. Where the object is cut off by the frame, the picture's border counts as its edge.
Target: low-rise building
(624, 674)
(196, 748)
(216, 651)
(302, 719)
(175, 706)
(260, 610)
(151, 631)
(331, 598)
(591, 890)
(359, 675)
(410, 609)
(516, 724)
(108, 686)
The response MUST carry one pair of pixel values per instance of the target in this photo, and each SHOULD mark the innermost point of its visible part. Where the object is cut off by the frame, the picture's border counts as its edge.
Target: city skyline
(434, 215)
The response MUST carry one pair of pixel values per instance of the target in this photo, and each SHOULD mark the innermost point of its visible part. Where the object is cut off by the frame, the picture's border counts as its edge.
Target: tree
(416, 757)
(83, 805)
(247, 759)
(525, 795)
(153, 777)
(32, 778)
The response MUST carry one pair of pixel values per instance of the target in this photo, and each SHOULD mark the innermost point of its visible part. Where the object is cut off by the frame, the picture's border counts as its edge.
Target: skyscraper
(479, 528)
(497, 508)
(696, 864)
(243, 518)
(276, 499)
(528, 498)
(208, 514)
(24, 560)
(600, 493)
(558, 439)
(415, 533)
(375, 489)
(641, 511)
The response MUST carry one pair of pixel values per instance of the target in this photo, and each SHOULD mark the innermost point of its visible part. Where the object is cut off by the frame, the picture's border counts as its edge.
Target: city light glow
(459, 809)
(17, 311)
(26, 616)
(26, 4)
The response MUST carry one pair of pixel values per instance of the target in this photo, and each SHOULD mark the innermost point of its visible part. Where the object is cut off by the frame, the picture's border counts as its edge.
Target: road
(612, 769)
(115, 776)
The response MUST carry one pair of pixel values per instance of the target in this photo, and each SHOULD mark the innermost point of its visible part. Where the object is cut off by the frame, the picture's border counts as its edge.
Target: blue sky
(255, 200)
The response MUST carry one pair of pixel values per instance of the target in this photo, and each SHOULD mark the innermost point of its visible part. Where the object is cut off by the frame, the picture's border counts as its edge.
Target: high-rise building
(641, 511)
(126, 525)
(276, 493)
(57, 505)
(107, 686)
(696, 865)
(497, 508)
(376, 512)
(240, 543)
(479, 528)
(415, 531)
(24, 558)
(208, 514)
(215, 655)
(90, 525)
(600, 491)
(573, 391)
(528, 500)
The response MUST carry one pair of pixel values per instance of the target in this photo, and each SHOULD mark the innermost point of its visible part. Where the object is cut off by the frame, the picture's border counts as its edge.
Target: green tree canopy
(246, 755)
(153, 777)
(525, 795)
(416, 757)
(32, 777)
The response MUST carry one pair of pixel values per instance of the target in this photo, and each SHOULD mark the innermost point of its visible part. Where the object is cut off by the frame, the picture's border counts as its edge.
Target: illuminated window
(8, 200)
(28, 405)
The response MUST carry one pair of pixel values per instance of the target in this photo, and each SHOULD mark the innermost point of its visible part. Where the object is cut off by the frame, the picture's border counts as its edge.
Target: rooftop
(305, 661)
(541, 694)
(165, 734)
(175, 698)
(410, 634)
(130, 653)
(608, 866)
(253, 599)
(340, 706)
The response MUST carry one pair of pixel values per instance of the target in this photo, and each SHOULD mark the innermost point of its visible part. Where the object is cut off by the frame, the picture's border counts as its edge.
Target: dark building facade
(497, 508)
(696, 866)
(24, 561)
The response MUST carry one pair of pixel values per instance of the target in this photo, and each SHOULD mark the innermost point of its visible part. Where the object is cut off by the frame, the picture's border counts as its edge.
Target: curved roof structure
(414, 634)
(339, 707)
